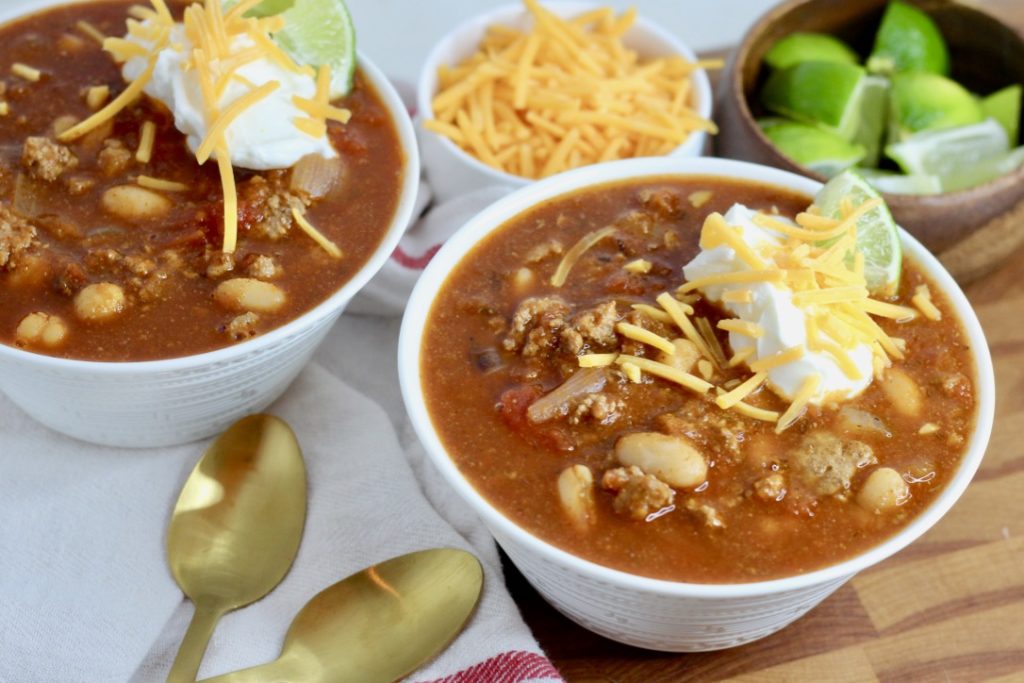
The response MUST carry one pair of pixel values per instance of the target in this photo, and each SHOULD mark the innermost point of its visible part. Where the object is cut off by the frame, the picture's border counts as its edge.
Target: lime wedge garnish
(818, 150)
(908, 40)
(1004, 106)
(877, 236)
(898, 183)
(952, 154)
(874, 109)
(826, 94)
(809, 47)
(984, 171)
(921, 102)
(318, 33)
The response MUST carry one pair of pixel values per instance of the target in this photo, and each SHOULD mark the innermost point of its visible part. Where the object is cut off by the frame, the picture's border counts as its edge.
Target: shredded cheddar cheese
(799, 404)
(26, 72)
(577, 250)
(653, 313)
(307, 227)
(639, 266)
(637, 333)
(596, 360)
(562, 94)
(700, 198)
(632, 372)
(88, 29)
(96, 96)
(160, 184)
(923, 300)
(5, 108)
(747, 329)
(146, 138)
(668, 372)
(215, 61)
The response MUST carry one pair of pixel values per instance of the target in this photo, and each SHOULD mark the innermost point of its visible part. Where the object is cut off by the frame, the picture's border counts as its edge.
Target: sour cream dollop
(784, 324)
(263, 136)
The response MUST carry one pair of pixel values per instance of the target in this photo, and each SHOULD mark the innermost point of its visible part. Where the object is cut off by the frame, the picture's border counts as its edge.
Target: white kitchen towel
(86, 594)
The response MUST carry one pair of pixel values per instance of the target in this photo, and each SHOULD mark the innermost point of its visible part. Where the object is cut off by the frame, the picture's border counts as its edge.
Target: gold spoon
(377, 625)
(236, 527)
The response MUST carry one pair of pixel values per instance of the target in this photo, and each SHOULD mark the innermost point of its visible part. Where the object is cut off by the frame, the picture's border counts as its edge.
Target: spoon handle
(193, 646)
(281, 670)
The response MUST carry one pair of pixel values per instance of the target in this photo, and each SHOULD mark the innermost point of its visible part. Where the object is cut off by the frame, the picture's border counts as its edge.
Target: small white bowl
(164, 402)
(453, 171)
(652, 613)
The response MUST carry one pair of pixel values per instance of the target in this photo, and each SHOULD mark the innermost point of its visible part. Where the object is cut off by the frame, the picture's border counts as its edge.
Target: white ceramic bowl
(163, 402)
(451, 170)
(651, 613)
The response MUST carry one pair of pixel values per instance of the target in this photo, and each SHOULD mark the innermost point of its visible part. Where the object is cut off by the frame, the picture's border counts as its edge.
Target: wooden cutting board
(948, 608)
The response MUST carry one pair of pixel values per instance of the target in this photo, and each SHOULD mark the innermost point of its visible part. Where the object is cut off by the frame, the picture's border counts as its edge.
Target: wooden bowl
(985, 55)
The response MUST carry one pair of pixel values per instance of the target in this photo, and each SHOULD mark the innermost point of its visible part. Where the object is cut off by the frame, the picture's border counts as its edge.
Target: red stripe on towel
(508, 667)
(414, 262)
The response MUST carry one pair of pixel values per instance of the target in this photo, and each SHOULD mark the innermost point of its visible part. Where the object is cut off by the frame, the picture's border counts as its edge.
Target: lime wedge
(812, 147)
(952, 153)
(318, 33)
(897, 183)
(921, 102)
(826, 94)
(874, 108)
(809, 47)
(984, 171)
(908, 40)
(1004, 106)
(877, 236)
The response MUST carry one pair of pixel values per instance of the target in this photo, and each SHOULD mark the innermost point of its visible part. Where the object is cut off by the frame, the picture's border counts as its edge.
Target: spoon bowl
(236, 526)
(377, 625)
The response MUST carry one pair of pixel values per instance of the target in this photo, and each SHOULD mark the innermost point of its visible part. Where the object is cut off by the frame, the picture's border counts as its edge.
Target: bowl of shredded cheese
(526, 91)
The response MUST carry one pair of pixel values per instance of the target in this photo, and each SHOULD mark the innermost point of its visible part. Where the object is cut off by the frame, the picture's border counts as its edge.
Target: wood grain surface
(948, 608)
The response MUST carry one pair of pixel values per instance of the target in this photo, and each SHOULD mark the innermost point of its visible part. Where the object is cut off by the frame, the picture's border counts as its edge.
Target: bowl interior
(648, 39)
(332, 304)
(497, 214)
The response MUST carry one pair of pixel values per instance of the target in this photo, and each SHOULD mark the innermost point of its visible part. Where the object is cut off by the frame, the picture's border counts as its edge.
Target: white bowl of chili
(453, 171)
(175, 400)
(640, 610)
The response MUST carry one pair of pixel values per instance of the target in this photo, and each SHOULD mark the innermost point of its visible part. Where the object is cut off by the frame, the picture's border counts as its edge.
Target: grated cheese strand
(799, 404)
(668, 372)
(108, 112)
(781, 358)
(146, 139)
(747, 329)
(160, 184)
(755, 412)
(637, 333)
(596, 360)
(923, 300)
(217, 130)
(307, 227)
(577, 250)
(731, 398)
(227, 179)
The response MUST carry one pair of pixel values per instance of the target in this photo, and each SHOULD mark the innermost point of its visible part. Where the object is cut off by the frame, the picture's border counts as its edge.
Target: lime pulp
(317, 33)
(877, 236)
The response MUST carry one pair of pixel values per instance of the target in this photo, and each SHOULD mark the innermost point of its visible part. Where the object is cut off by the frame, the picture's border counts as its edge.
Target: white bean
(576, 493)
(673, 459)
(883, 490)
(133, 203)
(41, 328)
(247, 294)
(99, 301)
(686, 356)
(903, 392)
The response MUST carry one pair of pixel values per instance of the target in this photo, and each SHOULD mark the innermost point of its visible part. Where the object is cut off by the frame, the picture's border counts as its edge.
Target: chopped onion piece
(316, 176)
(556, 402)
